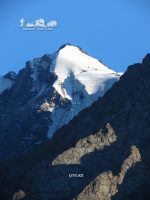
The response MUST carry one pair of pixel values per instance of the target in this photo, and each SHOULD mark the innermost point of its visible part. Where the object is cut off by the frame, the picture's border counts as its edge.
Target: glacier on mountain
(81, 79)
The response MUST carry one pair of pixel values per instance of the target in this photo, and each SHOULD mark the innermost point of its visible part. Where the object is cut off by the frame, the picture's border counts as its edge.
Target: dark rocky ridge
(126, 108)
(22, 122)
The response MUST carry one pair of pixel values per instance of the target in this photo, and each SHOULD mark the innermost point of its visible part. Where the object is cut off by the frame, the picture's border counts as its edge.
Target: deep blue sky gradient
(116, 32)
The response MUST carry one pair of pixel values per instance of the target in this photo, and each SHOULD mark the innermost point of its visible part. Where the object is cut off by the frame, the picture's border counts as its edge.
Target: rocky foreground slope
(102, 154)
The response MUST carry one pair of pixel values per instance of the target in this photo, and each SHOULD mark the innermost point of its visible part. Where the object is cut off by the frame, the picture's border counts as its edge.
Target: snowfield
(80, 79)
(92, 74)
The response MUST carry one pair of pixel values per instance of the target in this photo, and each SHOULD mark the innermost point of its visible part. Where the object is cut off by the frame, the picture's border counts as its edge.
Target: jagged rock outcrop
(105, 185)
(85, 146)
(19, 195)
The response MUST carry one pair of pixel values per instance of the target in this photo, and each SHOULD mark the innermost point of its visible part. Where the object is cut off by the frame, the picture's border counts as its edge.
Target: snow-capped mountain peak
(72, 80)
(73, 64)
(54, 88)
(80, 80)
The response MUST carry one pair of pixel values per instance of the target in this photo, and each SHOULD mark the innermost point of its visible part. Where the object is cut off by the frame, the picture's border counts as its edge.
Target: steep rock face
(109, 172)
(85, 146)
(46, 95)
(105, 185)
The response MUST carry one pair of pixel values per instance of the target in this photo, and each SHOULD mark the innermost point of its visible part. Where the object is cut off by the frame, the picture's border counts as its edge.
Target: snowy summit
(77, 71)
(81, 79)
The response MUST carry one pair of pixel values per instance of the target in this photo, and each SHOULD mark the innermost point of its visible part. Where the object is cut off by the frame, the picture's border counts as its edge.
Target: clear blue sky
(116, 32)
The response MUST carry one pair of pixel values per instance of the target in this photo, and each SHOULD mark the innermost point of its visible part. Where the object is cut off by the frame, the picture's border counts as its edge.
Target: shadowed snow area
(71, 61)
(81, 79)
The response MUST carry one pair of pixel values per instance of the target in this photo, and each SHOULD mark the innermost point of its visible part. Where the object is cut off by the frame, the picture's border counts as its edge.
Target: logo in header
(39, 24)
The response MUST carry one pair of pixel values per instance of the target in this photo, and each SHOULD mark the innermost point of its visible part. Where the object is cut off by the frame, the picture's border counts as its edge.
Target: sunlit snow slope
(81, 79)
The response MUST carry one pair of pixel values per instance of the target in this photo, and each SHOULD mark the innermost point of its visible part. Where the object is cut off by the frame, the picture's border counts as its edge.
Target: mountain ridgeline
(101, 154)
(47, 94)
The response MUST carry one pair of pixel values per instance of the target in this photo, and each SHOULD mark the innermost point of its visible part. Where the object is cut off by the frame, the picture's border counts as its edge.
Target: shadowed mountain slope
(108, 143)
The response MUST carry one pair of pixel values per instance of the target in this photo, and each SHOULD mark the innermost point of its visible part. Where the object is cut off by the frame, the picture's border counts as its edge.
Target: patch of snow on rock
(5, 84)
